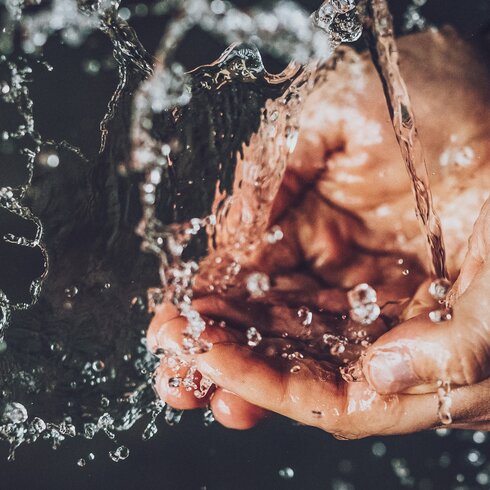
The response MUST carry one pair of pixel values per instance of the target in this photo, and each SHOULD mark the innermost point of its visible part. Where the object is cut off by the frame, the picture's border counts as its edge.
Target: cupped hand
(346, 213)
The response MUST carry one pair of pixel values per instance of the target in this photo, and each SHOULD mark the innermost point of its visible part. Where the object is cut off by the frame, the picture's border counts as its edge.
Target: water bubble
(305, 316)
(405, 272)
(15, 412)
(287, 473)
(295, 369)
(81, 462)
(91, 456)
(258, 284)
(253, 337)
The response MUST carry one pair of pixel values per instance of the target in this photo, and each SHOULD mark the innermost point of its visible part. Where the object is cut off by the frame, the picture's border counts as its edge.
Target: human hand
(335, 226)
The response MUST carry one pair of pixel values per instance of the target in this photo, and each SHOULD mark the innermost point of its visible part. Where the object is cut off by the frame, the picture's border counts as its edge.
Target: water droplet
(362, 294)
(174, 382)
(352, 372)
(442, 315)
(343, 6)
(287, 473)
(15, 412)
(365, 314)
(98, 366)
(295, 369)
(81, 462)
(305, 316)
(253, 337)
(378, 449)
(258, 284)
(71, 292)
(439, 288)
(208, 417)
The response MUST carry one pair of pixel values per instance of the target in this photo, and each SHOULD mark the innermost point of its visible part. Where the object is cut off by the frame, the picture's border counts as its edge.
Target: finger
(235, 413)
(170, 386)
(163, 314)
(420, 352)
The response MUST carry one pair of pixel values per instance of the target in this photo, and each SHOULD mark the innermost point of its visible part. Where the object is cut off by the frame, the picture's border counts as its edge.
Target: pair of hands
(346, 211)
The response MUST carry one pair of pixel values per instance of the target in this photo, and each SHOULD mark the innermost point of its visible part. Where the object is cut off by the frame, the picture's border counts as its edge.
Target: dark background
(69, 104)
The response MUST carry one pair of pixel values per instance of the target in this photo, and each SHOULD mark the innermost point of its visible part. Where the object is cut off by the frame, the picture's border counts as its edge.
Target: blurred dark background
(69, 103)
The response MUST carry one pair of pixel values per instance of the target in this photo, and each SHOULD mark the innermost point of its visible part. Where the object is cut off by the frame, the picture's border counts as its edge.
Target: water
(384, 52)
(166, 96)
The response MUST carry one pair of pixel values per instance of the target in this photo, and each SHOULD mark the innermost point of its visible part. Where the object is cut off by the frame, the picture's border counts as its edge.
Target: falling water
(381, 40)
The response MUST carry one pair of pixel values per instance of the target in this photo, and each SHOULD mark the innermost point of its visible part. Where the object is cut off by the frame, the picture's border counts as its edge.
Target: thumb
(418, 353)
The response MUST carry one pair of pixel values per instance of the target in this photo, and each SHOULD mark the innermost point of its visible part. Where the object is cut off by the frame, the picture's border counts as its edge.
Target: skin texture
(347, 214)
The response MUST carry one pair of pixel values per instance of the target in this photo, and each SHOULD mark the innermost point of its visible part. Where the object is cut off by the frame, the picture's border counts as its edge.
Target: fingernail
(390, 372)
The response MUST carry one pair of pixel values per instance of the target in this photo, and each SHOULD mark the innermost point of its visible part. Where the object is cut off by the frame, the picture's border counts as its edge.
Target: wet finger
(171, 388)
(235, 413)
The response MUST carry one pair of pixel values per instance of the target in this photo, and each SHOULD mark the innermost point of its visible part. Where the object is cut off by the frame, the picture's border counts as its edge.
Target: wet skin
(347, 214)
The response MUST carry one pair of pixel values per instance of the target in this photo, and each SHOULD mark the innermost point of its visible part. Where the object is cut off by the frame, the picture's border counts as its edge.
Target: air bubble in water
(258, 284)
(253, 337)
(81, 462)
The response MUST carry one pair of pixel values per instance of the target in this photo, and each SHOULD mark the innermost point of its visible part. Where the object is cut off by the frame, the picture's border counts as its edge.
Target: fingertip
(235, 413)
